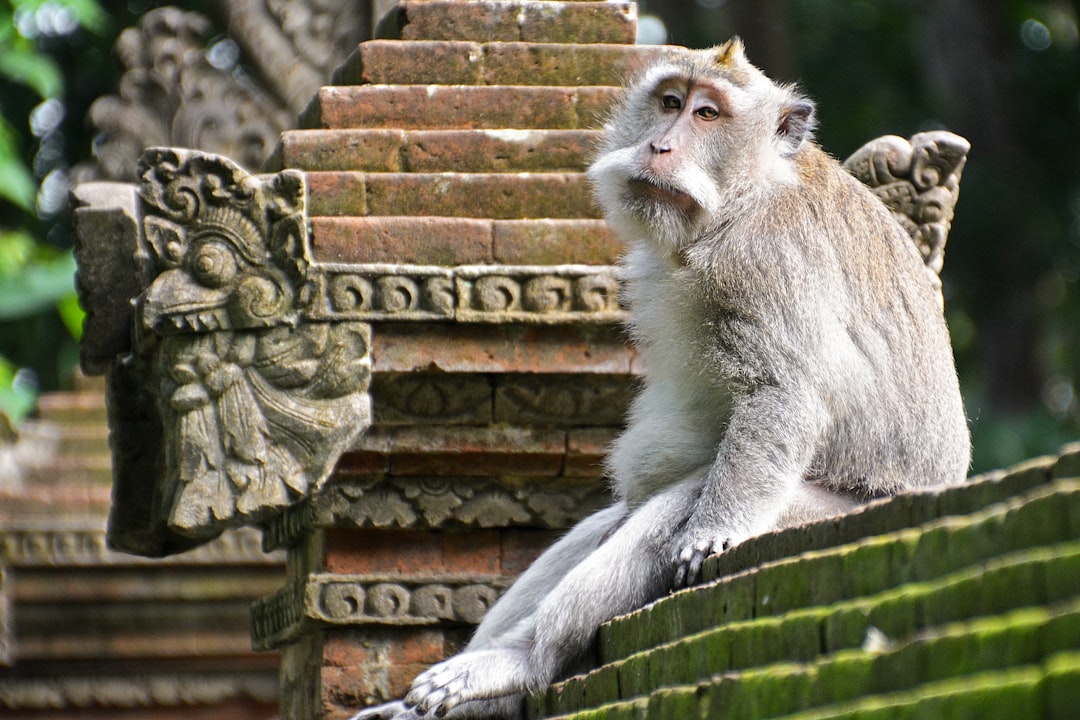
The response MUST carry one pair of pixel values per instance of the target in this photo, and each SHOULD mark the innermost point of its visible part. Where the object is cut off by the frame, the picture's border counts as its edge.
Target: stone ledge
(462, 107)
(502, 196)
(389, 150)
(420, 241)
(541, 22)
(396, 62)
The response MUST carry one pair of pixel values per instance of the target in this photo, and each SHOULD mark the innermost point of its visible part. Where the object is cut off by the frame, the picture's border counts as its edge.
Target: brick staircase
(957, 603)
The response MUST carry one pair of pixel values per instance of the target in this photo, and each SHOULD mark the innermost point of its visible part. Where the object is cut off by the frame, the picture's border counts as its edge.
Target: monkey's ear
(730, 52)
(797, 123)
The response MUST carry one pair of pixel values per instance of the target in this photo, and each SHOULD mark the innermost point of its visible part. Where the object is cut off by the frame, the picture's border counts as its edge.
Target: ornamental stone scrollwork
(919, 181)
(481, 293)
(230, 397)
(341, 599)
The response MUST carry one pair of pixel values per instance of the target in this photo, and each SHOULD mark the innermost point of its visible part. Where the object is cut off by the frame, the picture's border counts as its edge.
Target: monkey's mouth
(644, 188)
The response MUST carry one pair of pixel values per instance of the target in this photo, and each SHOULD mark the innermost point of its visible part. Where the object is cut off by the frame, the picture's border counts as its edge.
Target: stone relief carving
(408, 502)
(131, 691)
(482, 293)
(185, 83)
(919, 180)
(341, 599)
(230, 398)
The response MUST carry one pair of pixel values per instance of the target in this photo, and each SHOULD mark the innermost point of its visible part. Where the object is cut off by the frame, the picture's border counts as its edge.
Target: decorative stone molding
(480, 293)
(438, 503)
(919, 180)
(338, 599)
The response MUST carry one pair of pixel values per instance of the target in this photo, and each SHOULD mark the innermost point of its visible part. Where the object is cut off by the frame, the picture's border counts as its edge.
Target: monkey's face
(688, 139)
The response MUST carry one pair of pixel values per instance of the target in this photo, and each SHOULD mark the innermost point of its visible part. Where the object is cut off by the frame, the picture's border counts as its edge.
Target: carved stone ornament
(919, 180)
(231, 405)
(337, 599)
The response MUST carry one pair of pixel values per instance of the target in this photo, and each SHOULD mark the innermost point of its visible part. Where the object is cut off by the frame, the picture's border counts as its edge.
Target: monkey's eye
(707, 112)
(671, 101)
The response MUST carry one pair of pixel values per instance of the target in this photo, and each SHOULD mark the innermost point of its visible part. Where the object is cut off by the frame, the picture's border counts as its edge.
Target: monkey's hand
(396, 710)
(469, 676)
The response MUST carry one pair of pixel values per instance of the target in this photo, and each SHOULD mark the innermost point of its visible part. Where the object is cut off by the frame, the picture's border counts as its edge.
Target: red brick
(372, 150)
(586, 450)
(474, 552)
(564, 64)
(381, 645)
(474, 451)
(412, 552)
(521, 546)
(497, 150)
(397, 62)
(406, 347)
(413, 240)
(555, 241)
(418, 107)
(584, 22)
(479, 195)
(374, 552)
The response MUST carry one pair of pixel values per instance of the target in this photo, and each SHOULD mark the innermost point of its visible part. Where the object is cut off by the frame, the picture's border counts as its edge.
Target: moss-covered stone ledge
(956, 602)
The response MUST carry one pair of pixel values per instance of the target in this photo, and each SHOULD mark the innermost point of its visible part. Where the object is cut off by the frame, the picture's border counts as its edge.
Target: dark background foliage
(1003, 73)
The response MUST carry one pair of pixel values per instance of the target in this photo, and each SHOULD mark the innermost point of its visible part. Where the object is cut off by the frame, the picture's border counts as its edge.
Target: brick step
(430, 151)
(70, 503)
(500, 196)
(1047, 691)
(73, 408)
(522, 452)
(458, 107)
(874, 565)
(397, 62)
(462, 241)
(916, 621)
(510, 21)
(74, 470)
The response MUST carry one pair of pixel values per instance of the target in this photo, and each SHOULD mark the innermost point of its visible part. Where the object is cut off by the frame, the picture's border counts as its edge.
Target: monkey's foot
(693, 554)
(396, 710)
(469, 676)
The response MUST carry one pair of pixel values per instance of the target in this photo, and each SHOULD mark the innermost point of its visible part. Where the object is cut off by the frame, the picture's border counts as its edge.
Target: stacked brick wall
(445, 175)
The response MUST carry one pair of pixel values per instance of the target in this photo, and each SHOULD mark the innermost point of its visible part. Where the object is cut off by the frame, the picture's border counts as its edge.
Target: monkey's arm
(769, 444)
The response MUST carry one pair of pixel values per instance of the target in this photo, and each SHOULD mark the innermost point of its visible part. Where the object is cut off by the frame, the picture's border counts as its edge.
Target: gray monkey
(797, 364)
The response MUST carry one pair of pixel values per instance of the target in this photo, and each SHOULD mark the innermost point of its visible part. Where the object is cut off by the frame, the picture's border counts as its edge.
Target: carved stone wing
(919, 180)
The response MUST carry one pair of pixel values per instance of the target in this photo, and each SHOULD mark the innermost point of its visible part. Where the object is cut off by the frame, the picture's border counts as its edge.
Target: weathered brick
(413, 552)
(497, 150)
(413, 240)
(480, 195)
(417, 107)
(564, 64)
(397, 62)
(586, 449)
(405, 347)
(371, 150)
(477, 451)
(555, 241)
(520, 546)
(350, 648)
(584, 22)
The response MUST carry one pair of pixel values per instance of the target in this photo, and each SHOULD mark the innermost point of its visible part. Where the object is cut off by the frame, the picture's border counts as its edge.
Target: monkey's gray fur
(797, 364)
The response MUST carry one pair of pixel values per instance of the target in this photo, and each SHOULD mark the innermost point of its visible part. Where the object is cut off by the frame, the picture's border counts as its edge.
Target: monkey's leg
(516, 607)
(632, 566)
